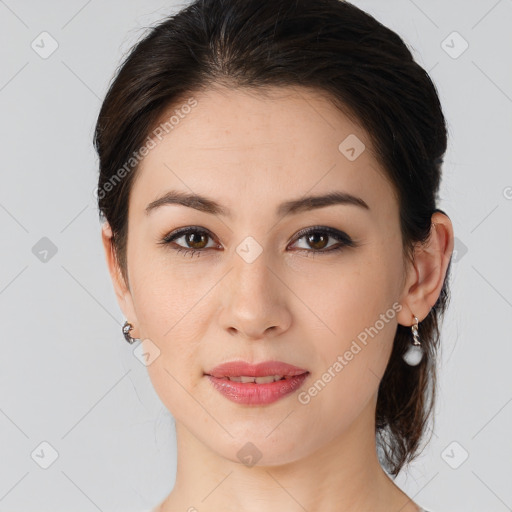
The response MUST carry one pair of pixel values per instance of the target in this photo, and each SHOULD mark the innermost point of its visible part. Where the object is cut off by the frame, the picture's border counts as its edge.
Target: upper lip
(243, 368)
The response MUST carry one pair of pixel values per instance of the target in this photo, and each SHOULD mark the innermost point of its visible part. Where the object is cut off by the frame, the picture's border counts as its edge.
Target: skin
(250, 152)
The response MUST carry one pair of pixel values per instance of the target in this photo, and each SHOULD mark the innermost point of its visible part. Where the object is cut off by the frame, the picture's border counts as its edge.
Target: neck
(343, 475)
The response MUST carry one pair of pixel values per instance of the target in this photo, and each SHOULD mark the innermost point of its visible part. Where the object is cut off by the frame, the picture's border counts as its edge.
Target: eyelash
(343, 238)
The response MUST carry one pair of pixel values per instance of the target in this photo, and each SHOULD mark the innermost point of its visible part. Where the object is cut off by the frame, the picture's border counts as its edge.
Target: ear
(122, 291)
(426, 275)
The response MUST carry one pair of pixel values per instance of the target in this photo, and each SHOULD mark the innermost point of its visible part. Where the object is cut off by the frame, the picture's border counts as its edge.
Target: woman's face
(255, 289)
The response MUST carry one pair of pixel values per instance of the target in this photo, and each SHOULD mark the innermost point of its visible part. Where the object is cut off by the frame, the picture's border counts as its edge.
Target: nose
(255, 299)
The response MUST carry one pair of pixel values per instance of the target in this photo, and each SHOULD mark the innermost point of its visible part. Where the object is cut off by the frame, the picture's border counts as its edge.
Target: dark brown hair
(365, 69)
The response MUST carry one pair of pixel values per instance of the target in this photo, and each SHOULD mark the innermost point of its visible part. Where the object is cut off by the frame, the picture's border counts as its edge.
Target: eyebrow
(207, 205)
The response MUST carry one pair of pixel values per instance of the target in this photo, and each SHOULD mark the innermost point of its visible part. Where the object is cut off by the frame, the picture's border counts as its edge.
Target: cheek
(171, 301)
(164, 289)
(167, 316)
(358, 311)
(350, 295)
(350, 366)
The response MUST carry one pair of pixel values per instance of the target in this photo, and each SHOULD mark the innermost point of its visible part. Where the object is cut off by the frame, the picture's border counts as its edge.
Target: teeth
(258, 380)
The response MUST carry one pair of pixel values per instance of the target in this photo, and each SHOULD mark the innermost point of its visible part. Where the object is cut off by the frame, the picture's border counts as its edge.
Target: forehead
(248, 145)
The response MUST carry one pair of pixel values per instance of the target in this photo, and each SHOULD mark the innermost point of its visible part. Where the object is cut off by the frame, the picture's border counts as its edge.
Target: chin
(260, 449)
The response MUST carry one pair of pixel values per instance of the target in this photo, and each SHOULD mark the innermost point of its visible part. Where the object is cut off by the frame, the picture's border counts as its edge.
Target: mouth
(258, 384)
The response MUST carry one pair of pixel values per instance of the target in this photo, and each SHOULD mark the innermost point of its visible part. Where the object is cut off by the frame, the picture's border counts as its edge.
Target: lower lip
(251, 393)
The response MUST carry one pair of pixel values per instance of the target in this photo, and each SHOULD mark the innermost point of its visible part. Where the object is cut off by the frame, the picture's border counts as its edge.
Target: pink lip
(238, 368)
(251, 393)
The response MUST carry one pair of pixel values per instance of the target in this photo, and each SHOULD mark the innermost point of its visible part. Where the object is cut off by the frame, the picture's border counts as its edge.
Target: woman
(269, 172)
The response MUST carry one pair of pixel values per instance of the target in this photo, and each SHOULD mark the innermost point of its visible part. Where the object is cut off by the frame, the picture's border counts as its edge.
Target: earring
(414, 353)
(127, 327)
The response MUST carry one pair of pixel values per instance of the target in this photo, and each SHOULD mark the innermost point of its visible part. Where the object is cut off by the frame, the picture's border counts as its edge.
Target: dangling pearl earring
(414, 353)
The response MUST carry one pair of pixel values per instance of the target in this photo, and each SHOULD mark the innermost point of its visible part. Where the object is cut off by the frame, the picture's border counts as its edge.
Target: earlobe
(427, 274)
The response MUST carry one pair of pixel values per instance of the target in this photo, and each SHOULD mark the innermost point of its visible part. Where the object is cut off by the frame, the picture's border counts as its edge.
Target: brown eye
(318, 238)
(197, 240)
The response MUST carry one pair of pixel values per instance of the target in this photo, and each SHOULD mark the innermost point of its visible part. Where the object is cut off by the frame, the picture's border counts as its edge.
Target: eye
(317, 237)
(195, 237)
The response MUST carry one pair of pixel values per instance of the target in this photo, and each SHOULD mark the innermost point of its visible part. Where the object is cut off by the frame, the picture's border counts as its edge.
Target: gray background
(68, 378)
